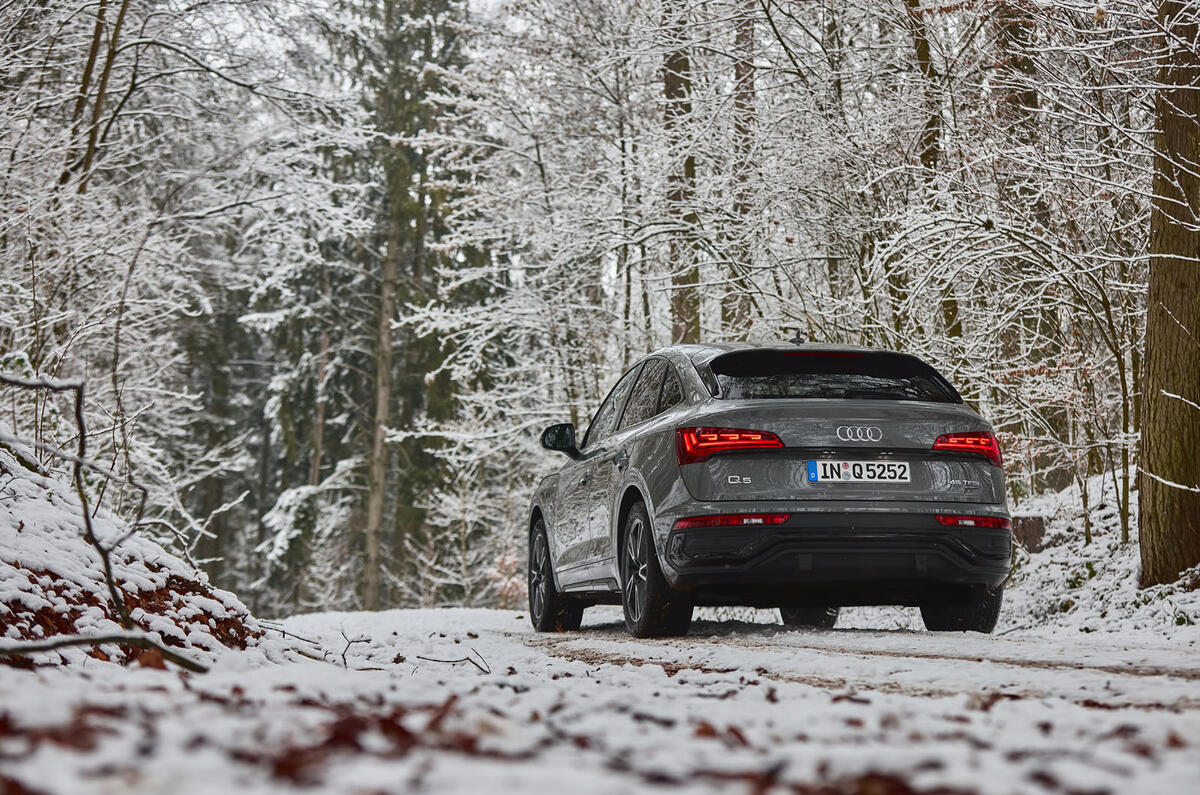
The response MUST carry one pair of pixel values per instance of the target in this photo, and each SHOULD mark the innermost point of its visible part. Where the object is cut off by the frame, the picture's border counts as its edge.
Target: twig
(310, 656)
(350, 643)
(485, 668)
(139, 641)
(78, 463)
(77, 467)
(1019, 628)
(271, 625)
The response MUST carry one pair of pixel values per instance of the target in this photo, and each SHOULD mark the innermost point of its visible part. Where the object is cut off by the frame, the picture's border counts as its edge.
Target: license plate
(858, 471)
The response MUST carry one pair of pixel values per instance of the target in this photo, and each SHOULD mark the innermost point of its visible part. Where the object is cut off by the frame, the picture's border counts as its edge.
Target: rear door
(853, 426)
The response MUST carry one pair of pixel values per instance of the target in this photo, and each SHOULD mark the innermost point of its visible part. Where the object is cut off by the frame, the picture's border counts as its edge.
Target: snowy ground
(1090, 685)
(734, 707)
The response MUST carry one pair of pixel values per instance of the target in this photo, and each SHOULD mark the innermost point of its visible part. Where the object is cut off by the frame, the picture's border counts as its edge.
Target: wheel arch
(632, 495)
(535, 513)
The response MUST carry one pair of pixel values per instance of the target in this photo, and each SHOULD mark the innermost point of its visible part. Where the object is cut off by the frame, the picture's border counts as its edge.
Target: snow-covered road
(1093, 673)
(734, 707)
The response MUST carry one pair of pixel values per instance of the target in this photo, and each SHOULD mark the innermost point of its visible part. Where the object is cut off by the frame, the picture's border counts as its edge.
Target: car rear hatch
(846, 426)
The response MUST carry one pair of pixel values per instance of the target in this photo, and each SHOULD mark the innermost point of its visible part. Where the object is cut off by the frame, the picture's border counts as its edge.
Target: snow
(1072, 586)
(52, 580)
(1101, 695)
(598, 712)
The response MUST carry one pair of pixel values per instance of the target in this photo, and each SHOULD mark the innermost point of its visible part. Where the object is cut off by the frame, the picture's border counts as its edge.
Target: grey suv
(803, 477)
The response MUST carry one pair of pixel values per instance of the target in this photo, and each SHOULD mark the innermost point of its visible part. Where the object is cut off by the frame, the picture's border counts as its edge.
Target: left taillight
(697, 444)
(979, 442)
(731, 520)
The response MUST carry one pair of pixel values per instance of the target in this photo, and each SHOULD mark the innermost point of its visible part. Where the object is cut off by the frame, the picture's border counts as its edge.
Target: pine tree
(400, 49)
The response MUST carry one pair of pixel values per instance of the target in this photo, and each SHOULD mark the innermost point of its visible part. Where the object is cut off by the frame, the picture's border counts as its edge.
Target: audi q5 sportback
(803, 477)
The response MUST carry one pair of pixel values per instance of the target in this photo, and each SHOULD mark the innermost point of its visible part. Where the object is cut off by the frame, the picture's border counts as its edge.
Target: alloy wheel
(538, 577)
(635, 570)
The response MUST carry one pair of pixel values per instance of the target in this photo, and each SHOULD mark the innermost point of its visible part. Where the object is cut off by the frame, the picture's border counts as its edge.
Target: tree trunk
(735, 304)
(89, 156)
(1022, 127)
(1019, 111)
(685, 270)
(930, 149)
(1169, 512)
(85, 84)
(930, 143)
(377, 460)
(318, 429)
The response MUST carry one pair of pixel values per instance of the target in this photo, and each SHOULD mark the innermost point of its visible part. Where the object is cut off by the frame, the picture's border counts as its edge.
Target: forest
(326, 269)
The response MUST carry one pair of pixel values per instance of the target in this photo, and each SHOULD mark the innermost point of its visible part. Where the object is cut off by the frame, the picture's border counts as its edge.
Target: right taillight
(961, 520)
(979, 442)
(697, 444)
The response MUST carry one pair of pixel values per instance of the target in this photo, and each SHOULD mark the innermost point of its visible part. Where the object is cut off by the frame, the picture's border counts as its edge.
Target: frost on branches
(328, 268)
(968, 182)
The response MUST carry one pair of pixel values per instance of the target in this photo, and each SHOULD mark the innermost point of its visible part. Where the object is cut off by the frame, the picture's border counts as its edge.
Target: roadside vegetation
(288, 291)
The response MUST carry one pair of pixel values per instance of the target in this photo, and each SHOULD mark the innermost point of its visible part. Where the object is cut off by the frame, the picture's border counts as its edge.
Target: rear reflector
(981, 442)
(959, 520)
(731, 520)
(697, 444)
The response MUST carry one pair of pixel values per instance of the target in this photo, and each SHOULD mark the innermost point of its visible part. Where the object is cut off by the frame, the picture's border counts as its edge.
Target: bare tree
(677, 91)
(736, 303)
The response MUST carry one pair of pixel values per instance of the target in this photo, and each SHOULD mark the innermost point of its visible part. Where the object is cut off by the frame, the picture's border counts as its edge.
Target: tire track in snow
(1119, 670)
(777, 639)
(574, 647)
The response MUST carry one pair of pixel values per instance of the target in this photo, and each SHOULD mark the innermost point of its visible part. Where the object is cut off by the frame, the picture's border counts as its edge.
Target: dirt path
(1192, 673)
(848, 661)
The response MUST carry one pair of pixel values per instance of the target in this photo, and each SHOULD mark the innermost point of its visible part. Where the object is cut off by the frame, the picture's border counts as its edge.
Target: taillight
(960, 520)
(697, 444)
(731, 520)
(981, 442)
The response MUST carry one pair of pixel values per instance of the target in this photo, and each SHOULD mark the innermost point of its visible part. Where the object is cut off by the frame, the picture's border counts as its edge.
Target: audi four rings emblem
(859, 433)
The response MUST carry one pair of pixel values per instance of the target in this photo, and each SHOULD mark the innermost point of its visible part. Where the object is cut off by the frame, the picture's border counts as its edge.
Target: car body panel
(570, 525)
(809, 431)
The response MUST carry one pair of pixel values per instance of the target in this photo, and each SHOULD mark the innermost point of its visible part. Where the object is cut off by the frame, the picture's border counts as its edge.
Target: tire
(810, 617)
(652, 608)
(549, 611)
(976, 613)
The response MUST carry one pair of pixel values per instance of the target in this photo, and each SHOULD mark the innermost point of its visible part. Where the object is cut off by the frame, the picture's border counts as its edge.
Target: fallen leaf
(737, 737)
(435, 722)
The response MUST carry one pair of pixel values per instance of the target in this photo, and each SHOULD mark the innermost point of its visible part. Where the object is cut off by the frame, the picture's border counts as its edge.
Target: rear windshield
(760, 374)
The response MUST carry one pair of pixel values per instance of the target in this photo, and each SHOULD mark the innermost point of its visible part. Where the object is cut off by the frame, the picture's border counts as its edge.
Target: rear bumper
(835, 558)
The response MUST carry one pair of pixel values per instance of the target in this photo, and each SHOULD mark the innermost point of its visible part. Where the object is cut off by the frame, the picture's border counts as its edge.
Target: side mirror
(561, 437)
